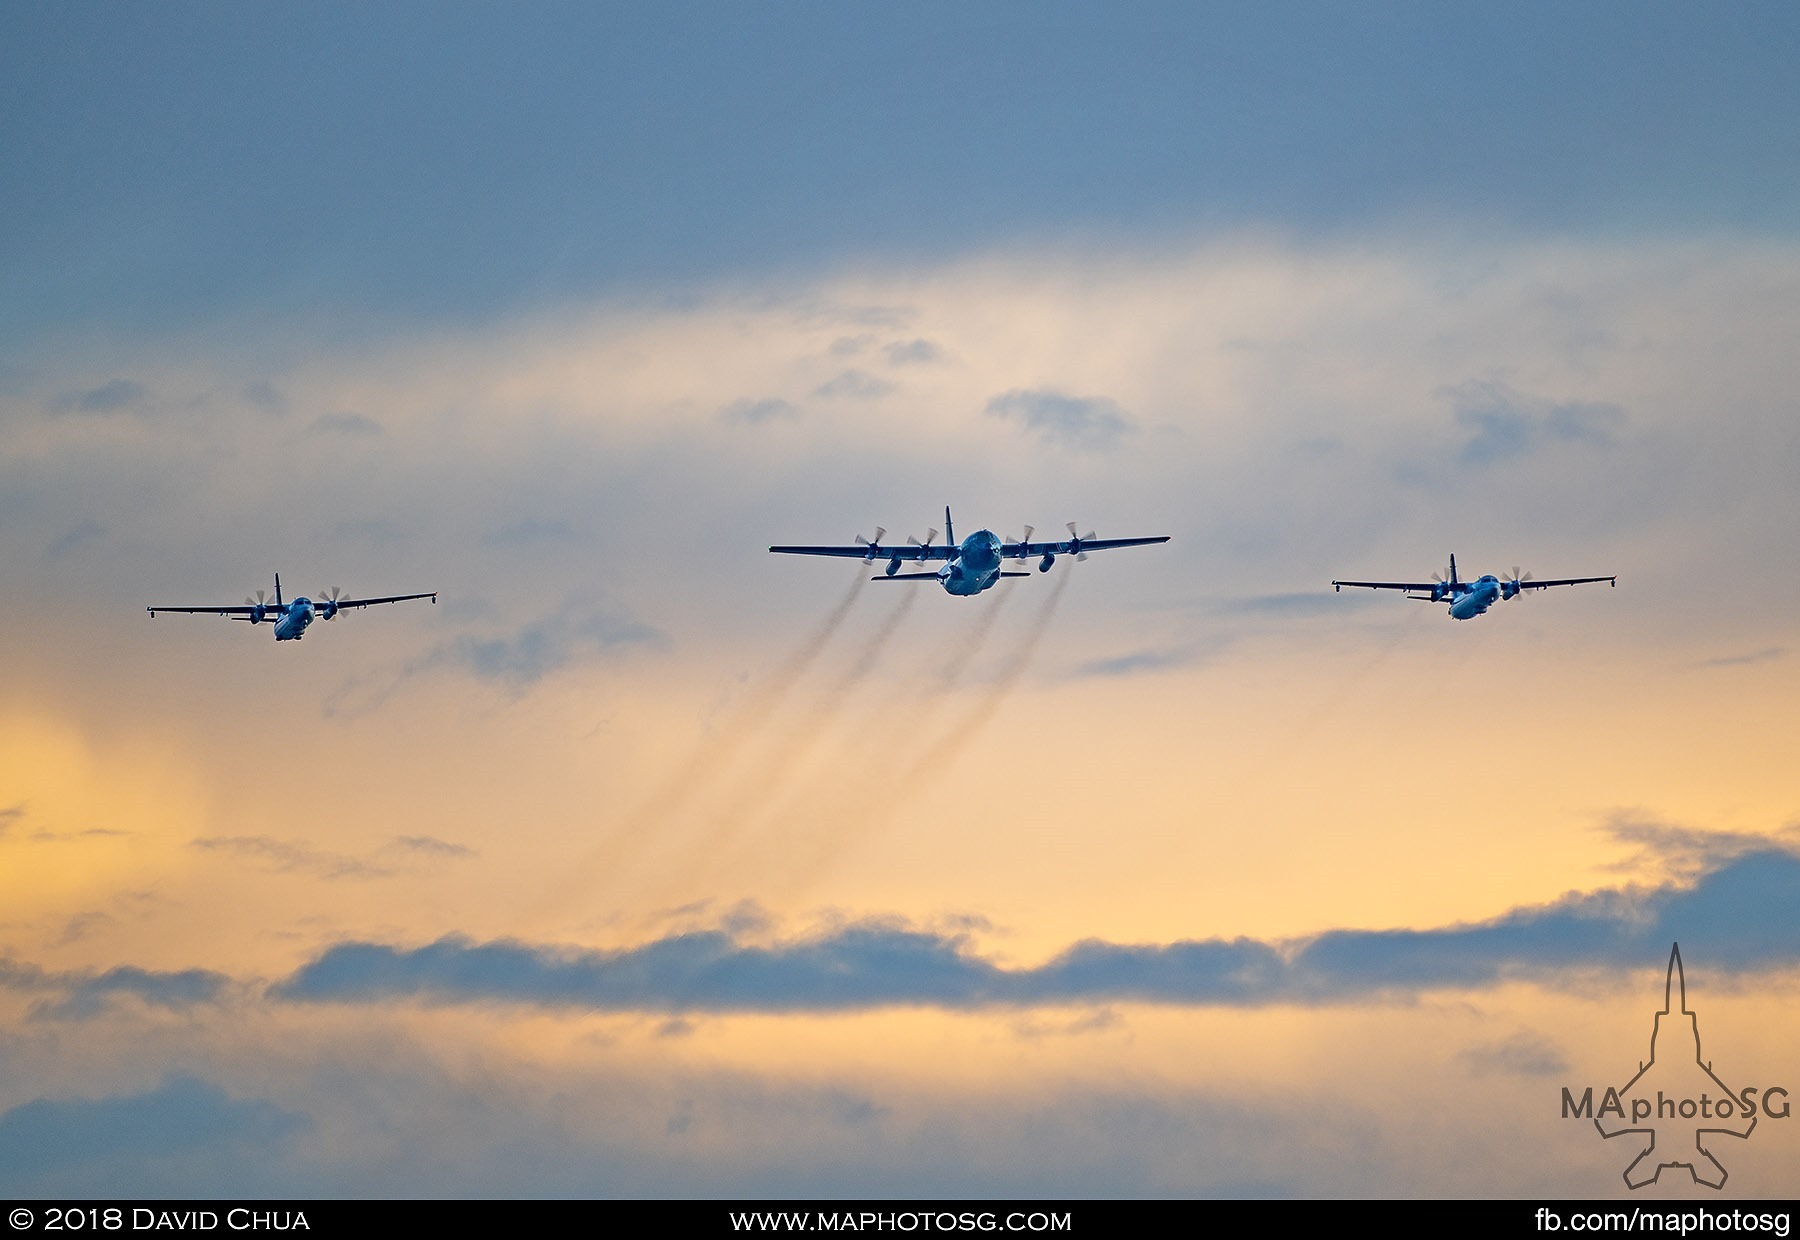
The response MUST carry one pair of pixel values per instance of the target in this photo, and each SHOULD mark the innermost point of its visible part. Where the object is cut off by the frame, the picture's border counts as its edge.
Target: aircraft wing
(240, 611)
(1072, 546)
(1562, 581)
(937, 551)
(1424, 586)
(370, 602)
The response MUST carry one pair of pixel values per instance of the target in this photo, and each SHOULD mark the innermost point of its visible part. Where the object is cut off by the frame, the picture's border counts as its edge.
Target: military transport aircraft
(974, 564)
(291, 619)
(1469, 599)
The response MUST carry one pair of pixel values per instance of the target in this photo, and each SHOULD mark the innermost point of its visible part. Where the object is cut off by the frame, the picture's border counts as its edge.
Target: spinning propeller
(1075, 541)
(924, 547)
(1021, 555)
(873, 544)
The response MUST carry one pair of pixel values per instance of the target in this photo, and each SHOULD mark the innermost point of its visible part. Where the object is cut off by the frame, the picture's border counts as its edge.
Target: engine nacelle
(329, 610)
(893, 566)
(1510, 589)
(258, 614)
(1045, 563)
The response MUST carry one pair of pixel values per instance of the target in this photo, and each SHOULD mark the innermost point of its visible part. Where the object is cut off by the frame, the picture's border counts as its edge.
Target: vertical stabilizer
(1676, 988)
(949, 529)
(277, 589)
(1453, 568)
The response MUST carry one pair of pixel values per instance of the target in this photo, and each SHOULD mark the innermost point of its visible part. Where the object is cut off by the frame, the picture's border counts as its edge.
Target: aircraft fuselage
(1481, 594)
(976, 566)
(292, 625)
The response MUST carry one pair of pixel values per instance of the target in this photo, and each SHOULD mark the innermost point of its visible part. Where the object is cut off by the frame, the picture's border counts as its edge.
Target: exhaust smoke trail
(837, 828)
(626, 842)
(857, 760)
(769, 776)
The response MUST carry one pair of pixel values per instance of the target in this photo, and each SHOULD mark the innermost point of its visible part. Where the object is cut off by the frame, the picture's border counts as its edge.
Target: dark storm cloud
(1501, 423)
(1740, 911)
(698, 159)
(182, 1116)
(1086, 423)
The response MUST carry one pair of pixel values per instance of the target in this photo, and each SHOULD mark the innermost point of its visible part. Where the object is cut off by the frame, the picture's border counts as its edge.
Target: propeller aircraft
(974, 564)
(291, 618)
(1469, 599)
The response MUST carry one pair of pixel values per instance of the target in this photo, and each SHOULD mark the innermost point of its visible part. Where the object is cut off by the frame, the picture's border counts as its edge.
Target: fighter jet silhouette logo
(1689, 1106)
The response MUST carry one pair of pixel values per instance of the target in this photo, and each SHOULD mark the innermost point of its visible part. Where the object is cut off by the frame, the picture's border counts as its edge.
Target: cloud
(1503, 424)
(10, 816)
(1138, 661)
(84, 995)
(285, 857)
(913, 353)
(107, 398)
(431, 847)
(1670, 853)
(757, 412)
(529, 530)
(289, 858)
(1523, 1054)
(1739, 909)
(181, 1116)
(1087, 424)
(574, 633)
(854, 385)
(1767, 655)
(74, 539)
(1297, 603)
(357, 425)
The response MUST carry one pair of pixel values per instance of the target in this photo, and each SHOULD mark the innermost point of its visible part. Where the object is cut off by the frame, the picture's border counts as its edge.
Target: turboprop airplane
(974, 564)
(291, 619)
(1469, 599)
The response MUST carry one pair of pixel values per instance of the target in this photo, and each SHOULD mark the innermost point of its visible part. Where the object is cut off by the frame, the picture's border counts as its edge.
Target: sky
(646, 864)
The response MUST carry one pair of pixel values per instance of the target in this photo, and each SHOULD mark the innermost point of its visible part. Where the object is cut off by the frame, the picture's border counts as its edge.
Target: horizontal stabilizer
(907, 577)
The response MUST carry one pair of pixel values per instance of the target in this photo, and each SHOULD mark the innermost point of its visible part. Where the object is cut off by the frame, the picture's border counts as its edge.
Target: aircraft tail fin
(1453, 568)
(949, 529)
(278, 589)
